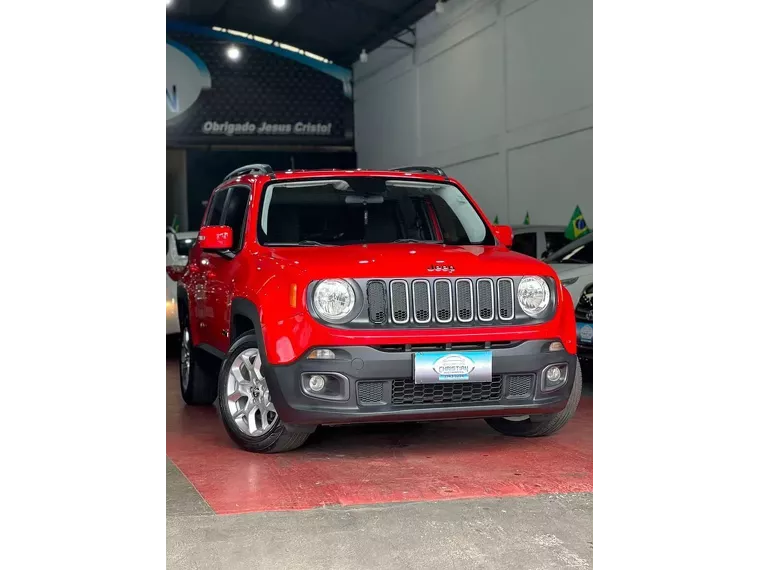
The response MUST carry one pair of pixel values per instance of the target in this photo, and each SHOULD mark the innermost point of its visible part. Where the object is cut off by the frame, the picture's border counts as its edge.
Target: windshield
(369, 210)
(575, 252)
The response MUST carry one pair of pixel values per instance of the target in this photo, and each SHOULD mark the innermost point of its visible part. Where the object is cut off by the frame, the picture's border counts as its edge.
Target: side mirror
(504, 234)
(215, 238)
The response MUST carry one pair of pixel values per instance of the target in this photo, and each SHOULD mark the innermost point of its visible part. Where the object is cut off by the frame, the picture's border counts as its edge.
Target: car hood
(406, 260)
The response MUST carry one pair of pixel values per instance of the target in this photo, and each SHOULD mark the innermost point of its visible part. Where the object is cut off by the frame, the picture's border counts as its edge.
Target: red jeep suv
(343, 296)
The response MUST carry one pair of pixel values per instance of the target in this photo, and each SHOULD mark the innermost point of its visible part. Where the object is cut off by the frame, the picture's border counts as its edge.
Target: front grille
(370, 393)
(441, 301)
(406, 392)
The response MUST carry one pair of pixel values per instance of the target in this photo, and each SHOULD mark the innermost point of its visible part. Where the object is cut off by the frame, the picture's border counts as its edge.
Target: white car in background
(538, 241)
(178, 247)
(574, 265)
(578, 266)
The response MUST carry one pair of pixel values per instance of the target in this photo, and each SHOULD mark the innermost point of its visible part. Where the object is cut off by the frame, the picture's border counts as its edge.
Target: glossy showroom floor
(437, 495)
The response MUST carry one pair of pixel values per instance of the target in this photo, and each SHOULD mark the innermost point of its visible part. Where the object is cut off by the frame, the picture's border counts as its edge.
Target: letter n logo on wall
(172, 101)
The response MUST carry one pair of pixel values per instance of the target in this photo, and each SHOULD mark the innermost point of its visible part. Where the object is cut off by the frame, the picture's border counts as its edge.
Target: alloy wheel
(248, 399)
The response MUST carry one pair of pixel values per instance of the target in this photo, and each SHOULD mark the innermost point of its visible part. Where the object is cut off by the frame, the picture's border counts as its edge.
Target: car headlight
(533, 295)
(334, 299)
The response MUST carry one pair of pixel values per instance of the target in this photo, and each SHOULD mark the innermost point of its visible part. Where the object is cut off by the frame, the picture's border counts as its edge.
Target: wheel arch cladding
(245, 318)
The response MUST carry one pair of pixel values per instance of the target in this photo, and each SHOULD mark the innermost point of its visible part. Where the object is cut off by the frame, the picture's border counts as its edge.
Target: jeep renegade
(335, 297)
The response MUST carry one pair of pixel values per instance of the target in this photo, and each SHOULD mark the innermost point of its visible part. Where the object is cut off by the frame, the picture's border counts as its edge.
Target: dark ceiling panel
(335, 29)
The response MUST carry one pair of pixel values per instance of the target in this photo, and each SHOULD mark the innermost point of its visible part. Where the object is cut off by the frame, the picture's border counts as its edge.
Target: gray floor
(540, 532)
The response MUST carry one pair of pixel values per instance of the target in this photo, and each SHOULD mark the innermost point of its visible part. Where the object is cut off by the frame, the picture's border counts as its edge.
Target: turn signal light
(321, 354)
(555, 347)
(293, 295)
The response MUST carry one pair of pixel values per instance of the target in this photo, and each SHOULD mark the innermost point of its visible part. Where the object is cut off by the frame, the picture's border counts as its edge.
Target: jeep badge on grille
(441, 268)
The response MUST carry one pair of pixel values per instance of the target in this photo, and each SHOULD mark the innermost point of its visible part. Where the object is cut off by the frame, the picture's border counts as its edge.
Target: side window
(213, 218)
(234, 214)
(555, 241)
(587, 253)
(526, 243)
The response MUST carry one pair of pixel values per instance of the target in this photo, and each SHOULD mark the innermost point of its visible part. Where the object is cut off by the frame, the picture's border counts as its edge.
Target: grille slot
(505, 299)
(443, 301)
(422, 301)
(485, 299)
(399, 302)
(370, 393)
(406, 392)
(464, 300)
(377, 302)
(520, 386)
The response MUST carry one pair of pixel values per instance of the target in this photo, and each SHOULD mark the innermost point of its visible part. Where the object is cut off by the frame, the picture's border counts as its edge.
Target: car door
(223, 268)
(204, 272)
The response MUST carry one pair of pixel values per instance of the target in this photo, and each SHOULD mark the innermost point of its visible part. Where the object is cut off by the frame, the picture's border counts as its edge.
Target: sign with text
(266, 97)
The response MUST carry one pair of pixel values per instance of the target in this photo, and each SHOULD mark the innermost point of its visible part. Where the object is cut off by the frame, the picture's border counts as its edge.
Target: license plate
(585, 333)
(442, 367)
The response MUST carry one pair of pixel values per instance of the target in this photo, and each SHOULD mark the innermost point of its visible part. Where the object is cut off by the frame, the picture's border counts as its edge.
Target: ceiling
(335, 29)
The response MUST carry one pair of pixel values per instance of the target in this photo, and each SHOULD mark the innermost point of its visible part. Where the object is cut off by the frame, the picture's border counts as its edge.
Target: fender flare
(246, 308)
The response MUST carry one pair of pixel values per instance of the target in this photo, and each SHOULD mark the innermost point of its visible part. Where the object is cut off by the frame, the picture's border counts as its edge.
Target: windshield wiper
(412, 240)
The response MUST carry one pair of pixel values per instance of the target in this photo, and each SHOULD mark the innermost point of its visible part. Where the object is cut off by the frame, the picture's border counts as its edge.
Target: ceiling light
(233, 53)
(364, 57)
(168, 2)
(439, 7)
(279, 4)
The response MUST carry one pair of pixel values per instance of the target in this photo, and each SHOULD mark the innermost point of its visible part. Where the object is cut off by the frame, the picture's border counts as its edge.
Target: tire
(548, 423)
(245, 407)
(196, 382)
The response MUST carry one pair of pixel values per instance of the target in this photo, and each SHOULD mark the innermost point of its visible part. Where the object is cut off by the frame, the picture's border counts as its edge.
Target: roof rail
(422, 170)
(251, 169)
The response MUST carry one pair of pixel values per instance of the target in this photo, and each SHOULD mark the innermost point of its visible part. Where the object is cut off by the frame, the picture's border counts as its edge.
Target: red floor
(375, 464)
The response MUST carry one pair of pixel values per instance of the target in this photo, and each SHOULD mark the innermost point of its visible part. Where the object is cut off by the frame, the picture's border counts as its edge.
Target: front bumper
(380, 387)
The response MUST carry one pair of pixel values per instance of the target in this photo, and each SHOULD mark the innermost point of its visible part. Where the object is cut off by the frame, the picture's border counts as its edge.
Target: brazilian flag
(527, 219)
(175, 223)
(577, 227)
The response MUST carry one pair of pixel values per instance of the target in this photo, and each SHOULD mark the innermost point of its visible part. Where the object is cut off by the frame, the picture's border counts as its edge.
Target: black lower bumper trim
(380, 387)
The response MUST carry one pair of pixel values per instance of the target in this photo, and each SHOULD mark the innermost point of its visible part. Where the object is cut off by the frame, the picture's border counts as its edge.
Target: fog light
(554, 377)
(555, 347)
(321, 354)
(317, 382)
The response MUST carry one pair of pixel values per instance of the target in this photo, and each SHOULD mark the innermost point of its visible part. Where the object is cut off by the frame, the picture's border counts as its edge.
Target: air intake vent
(505, 299)
(443, 301)
(464, 300)
(485, 299)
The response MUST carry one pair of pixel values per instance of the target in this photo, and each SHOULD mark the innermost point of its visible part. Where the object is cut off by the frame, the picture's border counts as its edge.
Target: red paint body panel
(265, 276)
(361, 465)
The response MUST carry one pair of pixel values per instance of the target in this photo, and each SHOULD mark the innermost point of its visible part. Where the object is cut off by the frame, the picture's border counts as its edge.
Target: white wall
(497, 92)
